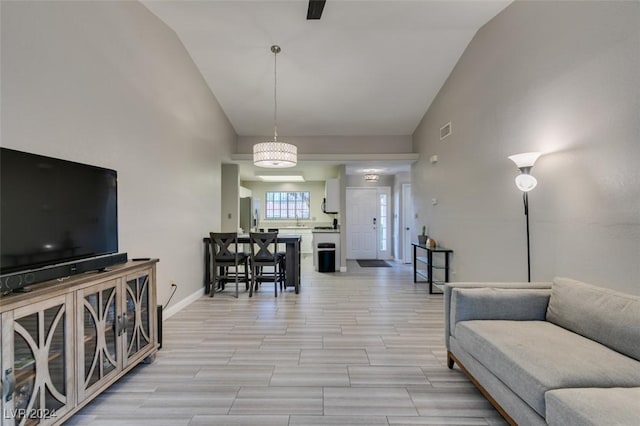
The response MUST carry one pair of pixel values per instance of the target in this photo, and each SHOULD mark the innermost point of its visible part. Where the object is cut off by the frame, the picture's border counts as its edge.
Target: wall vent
(445, 130)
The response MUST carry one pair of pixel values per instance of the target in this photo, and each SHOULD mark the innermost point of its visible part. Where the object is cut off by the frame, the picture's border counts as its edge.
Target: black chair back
(224, 256)
(224, 247)
(263, 246)
(265, 260)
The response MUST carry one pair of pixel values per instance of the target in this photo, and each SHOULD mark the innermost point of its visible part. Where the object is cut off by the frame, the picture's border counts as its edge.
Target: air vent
(314, 11)
(445, 130)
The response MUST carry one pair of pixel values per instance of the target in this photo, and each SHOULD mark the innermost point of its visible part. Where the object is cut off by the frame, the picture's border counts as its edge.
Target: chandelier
(274, 154)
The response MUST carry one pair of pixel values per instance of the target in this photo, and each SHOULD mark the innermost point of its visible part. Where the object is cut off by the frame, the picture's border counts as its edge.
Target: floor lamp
(525, 183)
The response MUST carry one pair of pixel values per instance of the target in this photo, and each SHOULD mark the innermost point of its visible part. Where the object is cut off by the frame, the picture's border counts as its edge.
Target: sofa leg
(450, 361)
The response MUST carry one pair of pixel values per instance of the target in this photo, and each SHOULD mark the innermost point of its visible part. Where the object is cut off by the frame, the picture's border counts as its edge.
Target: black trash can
(326, 257)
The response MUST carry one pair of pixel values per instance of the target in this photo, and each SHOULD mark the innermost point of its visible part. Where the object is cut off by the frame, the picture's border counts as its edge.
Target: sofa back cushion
(606, 316)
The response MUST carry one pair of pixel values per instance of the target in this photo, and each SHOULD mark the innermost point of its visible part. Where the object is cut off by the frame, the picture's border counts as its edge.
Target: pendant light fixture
(274, 154)
(371, 175)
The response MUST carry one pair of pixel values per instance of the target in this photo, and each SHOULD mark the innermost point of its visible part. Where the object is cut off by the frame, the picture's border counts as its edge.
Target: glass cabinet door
(42, 362)
(100, 326)
(138, 323)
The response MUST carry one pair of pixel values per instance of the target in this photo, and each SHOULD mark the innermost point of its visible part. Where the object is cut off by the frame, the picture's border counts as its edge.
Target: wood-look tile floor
(364, 347)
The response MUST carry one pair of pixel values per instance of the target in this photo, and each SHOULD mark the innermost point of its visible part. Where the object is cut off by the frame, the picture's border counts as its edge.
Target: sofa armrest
(449, 287)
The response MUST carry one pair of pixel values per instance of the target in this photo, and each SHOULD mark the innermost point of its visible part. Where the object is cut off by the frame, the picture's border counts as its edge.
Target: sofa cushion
(606, 316)
(449, 287)
(498, 304)
(593, 406)
(532, 357)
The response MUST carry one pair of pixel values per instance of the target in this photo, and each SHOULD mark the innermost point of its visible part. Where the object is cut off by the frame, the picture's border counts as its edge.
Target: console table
(68, 340)
(424, 266)
(292, 255)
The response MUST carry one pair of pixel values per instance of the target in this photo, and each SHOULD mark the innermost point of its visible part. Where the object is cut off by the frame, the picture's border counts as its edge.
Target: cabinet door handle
(125, 322)
(119, 326)
(10, 382)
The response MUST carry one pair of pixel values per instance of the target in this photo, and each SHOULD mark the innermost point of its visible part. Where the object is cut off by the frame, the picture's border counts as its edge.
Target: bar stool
(281, 249)
(225, 256)
(266, 262)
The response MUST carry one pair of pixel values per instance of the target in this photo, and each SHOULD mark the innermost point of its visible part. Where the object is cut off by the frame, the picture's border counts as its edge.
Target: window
(287, 205)
(384, 222)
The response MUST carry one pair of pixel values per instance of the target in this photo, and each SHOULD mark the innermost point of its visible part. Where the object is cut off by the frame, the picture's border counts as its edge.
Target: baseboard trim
(180, 305)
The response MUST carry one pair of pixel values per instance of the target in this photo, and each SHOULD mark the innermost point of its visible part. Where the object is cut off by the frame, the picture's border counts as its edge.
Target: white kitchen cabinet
(331, 202)
(306, 243)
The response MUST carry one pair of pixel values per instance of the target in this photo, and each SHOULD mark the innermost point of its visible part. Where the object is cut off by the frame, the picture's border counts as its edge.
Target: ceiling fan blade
(315, 9)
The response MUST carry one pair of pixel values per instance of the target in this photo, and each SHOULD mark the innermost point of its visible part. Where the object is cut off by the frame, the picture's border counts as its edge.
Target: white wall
(230, 200)
(358, 181)
(557, 77)
(107, 83)
(398, 215)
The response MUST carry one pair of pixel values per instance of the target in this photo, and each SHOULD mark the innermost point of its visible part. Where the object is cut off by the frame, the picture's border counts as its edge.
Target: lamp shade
(275, 154)
(525, 182)
(526, 159)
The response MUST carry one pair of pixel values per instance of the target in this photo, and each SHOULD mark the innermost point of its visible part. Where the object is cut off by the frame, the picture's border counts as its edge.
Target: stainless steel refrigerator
(249, 214)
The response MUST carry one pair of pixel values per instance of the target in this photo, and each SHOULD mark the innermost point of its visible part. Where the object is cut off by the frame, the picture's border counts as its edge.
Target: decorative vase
(431, 243)
(422, 239)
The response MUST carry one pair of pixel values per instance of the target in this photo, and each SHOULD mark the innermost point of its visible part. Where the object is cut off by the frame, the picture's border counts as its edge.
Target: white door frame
(407, 232)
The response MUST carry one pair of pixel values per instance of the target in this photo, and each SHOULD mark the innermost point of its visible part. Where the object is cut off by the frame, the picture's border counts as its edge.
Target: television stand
(78, 336)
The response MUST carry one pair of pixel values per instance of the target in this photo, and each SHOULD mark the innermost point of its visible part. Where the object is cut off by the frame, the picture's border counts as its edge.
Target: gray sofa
(562, 353)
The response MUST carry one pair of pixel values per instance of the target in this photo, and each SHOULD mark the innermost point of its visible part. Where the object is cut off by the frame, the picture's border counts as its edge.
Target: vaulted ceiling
(365, 68)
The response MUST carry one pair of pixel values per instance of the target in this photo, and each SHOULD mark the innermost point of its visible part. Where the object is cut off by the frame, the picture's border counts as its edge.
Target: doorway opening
(368, 213)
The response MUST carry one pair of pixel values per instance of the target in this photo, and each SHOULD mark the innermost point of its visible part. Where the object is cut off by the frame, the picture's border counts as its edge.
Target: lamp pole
(525, 183)
(525, 199)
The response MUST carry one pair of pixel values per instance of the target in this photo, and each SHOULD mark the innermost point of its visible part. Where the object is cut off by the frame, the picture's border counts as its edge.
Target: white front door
(362, 220)
(408, 234)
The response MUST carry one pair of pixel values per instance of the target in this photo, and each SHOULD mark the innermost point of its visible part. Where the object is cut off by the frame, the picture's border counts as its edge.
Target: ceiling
(365, 68)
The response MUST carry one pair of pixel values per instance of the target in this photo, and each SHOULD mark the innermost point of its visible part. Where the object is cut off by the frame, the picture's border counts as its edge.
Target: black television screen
(54, 211)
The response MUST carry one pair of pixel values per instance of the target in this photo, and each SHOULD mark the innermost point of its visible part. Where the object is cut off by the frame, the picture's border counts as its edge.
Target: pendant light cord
(275, 97)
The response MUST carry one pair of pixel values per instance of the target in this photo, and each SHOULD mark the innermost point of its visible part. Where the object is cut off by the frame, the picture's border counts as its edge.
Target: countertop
(303, 228)
(293, 229)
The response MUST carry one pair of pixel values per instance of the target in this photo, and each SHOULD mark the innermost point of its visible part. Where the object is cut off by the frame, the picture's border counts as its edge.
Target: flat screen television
(53, 212)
